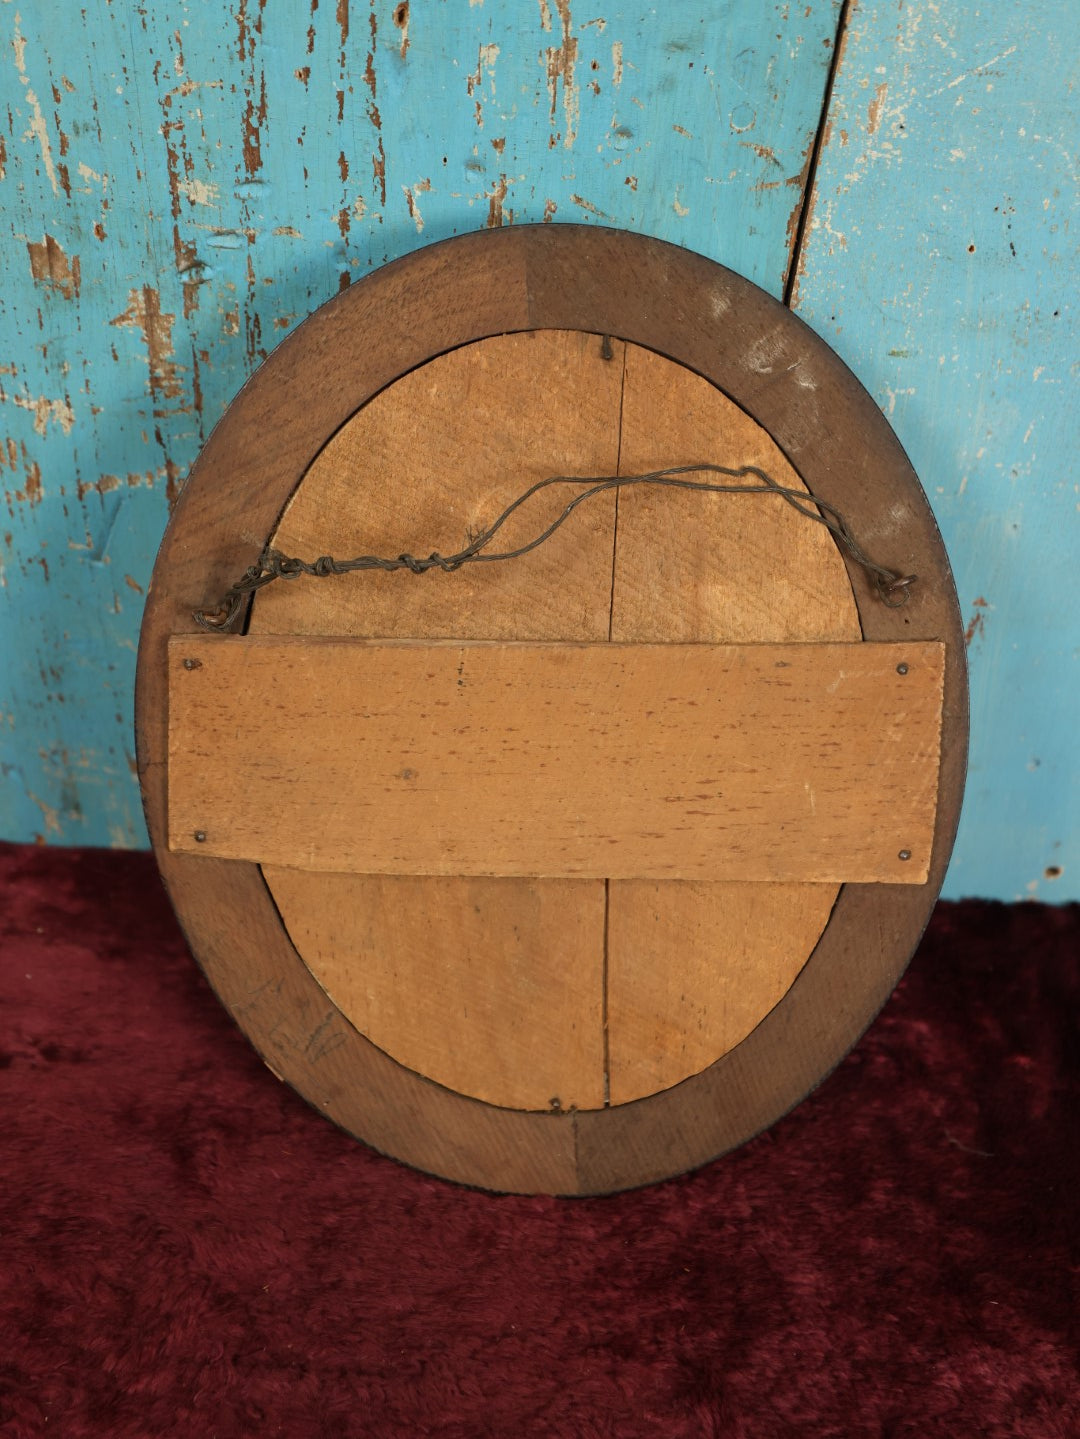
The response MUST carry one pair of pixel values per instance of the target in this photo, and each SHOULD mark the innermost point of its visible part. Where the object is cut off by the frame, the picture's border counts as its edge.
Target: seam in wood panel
(604, 969)
(618, 471)
(806, 208)
(604, 996)
(575, 1131)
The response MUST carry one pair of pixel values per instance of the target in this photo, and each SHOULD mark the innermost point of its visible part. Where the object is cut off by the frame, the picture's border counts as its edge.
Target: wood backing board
(492, 987)
(427, 462)
(692, 968)
(809, 763)
(710, 321)
(730, 569)
(479, 415)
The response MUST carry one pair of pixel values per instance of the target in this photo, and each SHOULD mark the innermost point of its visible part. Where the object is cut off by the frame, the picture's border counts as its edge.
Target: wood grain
(349, 492)
(691, 968)
(564, 760)
(734, 569)
(492, 987)
(678, 304)
(685, 308)
(433, 460)
(343, 355)
(424, 465)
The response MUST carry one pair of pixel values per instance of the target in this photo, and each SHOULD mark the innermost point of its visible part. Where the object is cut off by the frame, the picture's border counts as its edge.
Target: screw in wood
(193, 664)
(200, 836)
(904, 854)
(901, 669)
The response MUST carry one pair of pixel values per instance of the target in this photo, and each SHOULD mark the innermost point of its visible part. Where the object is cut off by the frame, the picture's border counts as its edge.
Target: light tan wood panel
(758, 762)
(693, 968)
(424, 466)
(721, 568)
(508, 1020)
(431, 462)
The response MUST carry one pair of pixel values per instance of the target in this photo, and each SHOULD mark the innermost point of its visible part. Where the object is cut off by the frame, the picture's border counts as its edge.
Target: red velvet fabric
(187, 1249)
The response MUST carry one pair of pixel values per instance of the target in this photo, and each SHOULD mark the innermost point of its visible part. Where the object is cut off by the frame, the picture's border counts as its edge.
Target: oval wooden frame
(702, 316)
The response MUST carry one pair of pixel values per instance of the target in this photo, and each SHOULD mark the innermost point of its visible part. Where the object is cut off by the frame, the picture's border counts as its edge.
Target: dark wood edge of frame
(700, 315)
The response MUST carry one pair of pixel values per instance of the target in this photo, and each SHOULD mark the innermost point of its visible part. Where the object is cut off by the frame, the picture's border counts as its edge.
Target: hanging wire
(892, 586)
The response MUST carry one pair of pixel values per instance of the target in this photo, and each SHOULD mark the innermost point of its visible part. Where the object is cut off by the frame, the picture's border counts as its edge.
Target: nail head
(901, 669)
(200, 836)
(905, 854)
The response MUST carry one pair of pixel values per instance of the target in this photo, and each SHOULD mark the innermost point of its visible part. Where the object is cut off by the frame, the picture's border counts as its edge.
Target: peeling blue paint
(182, 184)
(941, 262)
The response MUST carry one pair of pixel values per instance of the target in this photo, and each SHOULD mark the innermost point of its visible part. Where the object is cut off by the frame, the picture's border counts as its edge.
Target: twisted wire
(892, 586)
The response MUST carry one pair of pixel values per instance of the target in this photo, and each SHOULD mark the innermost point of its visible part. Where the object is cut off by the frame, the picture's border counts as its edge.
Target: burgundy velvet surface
(187, 1249)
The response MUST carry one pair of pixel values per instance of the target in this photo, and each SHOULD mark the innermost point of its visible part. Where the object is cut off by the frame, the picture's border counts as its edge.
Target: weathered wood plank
(181, 184)
(820, 761)
(940, 262)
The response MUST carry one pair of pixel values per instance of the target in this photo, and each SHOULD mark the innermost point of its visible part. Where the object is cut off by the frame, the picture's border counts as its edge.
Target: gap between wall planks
(691, 568)
(794, 259)
(242, 180)
(569, 761)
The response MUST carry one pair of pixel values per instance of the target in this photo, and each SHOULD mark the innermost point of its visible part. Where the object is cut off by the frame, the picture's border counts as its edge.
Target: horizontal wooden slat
(813, 762)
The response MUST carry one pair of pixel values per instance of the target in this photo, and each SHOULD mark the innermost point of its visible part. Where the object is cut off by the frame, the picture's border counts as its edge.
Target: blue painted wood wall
(180, 184)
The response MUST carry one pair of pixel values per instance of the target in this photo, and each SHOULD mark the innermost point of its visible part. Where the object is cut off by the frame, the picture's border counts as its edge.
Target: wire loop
(892, 586)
